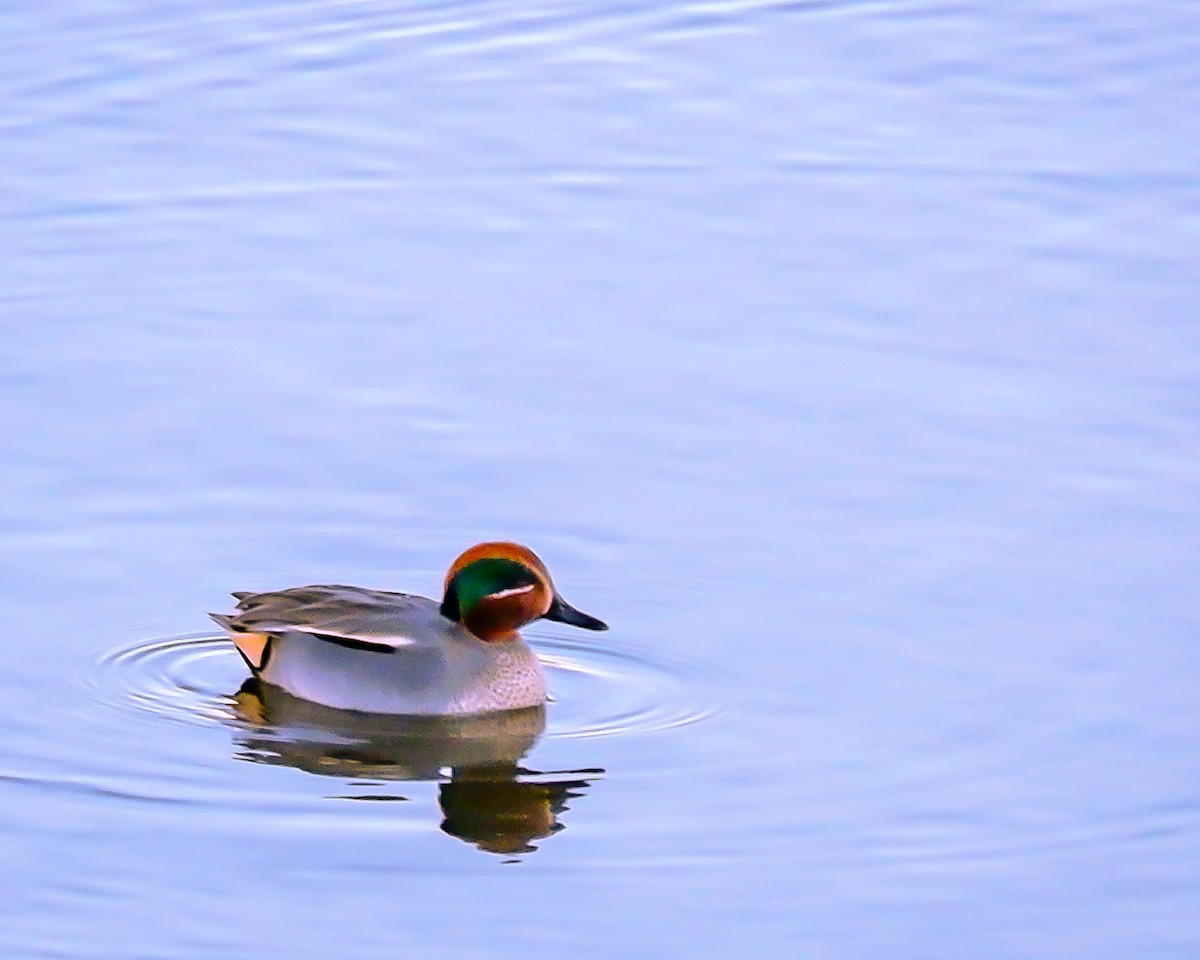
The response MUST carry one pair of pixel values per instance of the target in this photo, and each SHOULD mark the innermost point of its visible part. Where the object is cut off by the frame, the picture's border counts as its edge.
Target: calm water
(842, 355)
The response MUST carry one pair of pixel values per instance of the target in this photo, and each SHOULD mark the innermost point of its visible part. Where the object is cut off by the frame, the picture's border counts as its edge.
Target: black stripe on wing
(353, 643)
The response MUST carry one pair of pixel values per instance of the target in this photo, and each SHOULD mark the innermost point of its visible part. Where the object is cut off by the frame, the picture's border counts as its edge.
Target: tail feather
(254, 647)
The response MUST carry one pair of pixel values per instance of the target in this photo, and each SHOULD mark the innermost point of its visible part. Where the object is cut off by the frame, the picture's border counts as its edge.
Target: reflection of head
(489, 807)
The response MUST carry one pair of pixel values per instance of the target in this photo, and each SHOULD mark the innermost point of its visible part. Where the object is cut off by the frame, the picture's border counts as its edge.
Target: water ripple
(163, 717)
(600, 691)
(184, 679)
(596, 691)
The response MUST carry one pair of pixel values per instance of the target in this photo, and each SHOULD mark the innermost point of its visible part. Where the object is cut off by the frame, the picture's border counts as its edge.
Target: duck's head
(494, 589)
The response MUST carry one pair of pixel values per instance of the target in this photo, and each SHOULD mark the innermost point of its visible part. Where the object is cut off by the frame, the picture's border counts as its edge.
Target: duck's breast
(435, 667)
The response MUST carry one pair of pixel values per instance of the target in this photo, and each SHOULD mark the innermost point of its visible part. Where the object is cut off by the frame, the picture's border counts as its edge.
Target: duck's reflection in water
(487, 799)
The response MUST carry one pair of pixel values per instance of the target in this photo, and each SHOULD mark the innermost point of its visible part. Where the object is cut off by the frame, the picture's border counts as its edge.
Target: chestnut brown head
(494, 589)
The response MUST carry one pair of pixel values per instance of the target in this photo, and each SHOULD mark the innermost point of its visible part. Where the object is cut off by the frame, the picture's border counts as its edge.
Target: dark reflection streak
(590, 772)
(88, 789)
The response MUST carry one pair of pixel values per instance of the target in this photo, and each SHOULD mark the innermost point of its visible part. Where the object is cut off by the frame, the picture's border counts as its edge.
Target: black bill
(563, 612)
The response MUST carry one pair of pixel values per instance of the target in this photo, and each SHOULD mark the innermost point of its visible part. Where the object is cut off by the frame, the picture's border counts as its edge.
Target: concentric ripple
(602, 691)
(187, 678)
(596, 690)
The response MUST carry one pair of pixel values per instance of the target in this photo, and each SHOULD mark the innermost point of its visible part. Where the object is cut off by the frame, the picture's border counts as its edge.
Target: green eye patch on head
(484, 578)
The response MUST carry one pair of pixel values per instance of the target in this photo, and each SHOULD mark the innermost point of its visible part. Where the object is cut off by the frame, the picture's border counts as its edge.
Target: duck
(380, 651)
